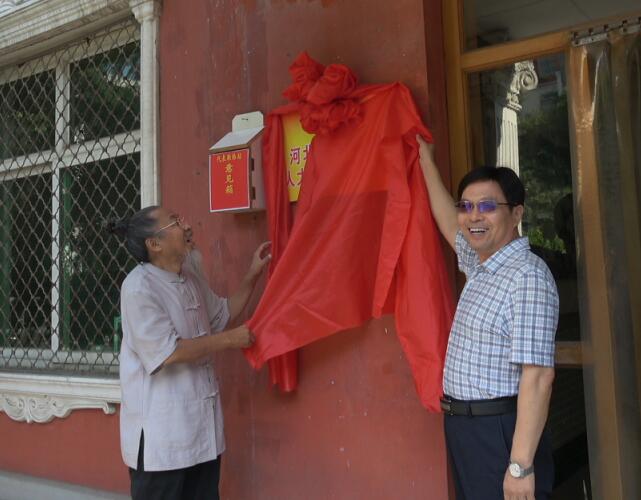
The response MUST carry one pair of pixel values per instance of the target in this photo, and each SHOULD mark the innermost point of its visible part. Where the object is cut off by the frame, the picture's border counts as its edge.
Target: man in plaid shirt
(499, 366)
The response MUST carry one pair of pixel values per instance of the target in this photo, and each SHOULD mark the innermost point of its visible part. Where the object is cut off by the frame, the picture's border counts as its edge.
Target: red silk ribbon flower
(324, 95)
(337, 81)
(304, 72)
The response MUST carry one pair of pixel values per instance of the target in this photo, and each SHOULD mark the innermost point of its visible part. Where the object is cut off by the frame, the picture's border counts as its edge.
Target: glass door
(606, 127)
(529, 87)
(519, 117)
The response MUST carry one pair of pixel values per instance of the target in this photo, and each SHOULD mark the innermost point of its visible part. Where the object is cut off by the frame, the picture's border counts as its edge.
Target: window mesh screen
(69, 161)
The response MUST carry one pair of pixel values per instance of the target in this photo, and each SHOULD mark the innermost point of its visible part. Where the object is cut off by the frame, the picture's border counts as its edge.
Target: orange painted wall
(83, 449)
(354, 429)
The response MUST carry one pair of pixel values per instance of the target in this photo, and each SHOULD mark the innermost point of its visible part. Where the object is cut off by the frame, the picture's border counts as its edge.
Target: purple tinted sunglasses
(484, 206)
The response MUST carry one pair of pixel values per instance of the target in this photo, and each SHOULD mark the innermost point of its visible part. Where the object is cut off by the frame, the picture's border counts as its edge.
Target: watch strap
(524, 471)
(527, 471)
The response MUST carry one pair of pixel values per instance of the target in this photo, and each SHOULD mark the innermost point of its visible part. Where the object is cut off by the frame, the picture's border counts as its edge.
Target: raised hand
(260, 259)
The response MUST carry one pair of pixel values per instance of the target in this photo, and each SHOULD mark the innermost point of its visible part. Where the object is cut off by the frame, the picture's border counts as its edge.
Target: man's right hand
(197, 349)
(239, 338)
(425, 151)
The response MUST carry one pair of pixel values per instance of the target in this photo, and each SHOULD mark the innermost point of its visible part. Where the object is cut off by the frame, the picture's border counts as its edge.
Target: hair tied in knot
(119, 227)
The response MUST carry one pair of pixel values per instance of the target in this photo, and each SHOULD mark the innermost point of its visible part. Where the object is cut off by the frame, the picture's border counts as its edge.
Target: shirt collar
(505, 254)
(162, 274)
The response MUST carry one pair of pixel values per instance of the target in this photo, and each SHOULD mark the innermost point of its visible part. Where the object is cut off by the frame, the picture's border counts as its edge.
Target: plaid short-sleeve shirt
(506, 317)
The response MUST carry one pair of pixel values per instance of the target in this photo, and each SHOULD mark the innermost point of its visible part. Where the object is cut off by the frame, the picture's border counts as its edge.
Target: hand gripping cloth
(364, 242)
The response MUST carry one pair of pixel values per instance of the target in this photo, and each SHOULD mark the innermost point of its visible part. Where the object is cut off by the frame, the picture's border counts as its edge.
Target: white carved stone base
(43, 409)
(41, 398)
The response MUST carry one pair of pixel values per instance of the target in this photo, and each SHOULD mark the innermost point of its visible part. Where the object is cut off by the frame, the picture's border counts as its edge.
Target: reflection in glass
(520, 120)
(25, 261)
(105, 94)
(91, 269)
(69, 142)
(27, 111)
(489, 22)
(523, 114)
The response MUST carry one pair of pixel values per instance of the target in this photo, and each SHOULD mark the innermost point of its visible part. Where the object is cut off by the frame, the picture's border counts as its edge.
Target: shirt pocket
(205, 376)
(181, 427)
(210, 382)
(178, 385)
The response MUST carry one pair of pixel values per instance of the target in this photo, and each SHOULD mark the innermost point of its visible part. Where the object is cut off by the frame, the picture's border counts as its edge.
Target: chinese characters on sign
(229, 180)
(296, 146)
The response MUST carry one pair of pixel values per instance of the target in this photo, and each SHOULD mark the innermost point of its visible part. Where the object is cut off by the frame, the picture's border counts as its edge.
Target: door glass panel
(606, 112)
(489, 22)
(519, 119)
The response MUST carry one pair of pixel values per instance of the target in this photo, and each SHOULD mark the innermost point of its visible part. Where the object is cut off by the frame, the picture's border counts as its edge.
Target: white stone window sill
(28, 397)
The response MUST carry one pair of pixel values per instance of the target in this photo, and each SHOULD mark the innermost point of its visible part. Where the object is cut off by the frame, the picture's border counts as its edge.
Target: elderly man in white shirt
(171, 424)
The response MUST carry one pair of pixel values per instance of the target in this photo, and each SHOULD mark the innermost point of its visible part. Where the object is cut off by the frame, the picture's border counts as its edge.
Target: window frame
(31, 28)
(66, 154)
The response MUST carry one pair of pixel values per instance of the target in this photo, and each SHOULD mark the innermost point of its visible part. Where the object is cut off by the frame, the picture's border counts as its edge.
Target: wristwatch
(518, 471)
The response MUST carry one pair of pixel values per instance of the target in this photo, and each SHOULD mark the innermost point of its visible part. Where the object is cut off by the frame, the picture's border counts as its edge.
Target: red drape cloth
(283, 369)
(364, 242)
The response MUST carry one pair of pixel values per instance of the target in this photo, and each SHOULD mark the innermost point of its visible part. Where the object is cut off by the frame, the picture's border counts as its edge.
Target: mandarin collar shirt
(177, 406)
(506, 317)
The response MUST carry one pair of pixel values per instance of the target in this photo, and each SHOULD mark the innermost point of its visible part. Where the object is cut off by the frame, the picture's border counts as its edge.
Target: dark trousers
(199, 482)
(479, 452)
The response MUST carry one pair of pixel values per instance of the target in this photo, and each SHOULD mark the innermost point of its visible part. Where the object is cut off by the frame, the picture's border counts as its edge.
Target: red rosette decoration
(309, 118)
(337, 81)
(343, 111)
(304, 72)
(325, 119)
(323, 95)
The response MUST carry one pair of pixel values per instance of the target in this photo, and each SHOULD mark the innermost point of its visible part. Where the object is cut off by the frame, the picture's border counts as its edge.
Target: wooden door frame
(459, 64)
(594, 356)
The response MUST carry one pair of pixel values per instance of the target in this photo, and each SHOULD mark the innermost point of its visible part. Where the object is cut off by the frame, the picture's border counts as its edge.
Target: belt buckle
(446, 406)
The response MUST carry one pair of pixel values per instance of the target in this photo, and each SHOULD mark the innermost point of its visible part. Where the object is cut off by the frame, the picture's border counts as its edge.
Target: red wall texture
(83, 449)
(354, 429)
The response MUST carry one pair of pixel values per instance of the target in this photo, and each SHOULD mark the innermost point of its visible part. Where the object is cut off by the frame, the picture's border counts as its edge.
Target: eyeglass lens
(484, 206)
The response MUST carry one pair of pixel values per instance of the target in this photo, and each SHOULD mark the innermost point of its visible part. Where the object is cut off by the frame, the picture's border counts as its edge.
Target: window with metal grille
(69, 161)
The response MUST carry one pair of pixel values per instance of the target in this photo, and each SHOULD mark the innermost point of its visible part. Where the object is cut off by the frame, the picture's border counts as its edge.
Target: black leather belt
(483, 408)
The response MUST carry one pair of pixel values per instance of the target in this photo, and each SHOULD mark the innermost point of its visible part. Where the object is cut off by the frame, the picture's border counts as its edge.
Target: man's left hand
(521, 488)
(260, 259)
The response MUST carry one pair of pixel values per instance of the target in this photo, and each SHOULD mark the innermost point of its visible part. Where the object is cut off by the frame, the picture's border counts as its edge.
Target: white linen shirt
(178, 406)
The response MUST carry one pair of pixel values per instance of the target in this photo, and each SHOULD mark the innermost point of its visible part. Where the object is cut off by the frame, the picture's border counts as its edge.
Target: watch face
(515, 470)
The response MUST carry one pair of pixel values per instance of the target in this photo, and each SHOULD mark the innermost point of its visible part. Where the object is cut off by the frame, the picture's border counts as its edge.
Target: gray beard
(195, 259)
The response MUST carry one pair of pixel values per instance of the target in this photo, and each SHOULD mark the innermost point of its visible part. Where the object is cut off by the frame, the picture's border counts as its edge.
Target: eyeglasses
(178, 221)
(483, 206)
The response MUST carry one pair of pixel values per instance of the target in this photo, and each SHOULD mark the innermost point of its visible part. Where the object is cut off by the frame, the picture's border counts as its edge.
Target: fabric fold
(363, 242)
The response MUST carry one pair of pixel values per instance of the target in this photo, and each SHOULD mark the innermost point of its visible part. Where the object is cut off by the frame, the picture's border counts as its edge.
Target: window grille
(69, 161)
